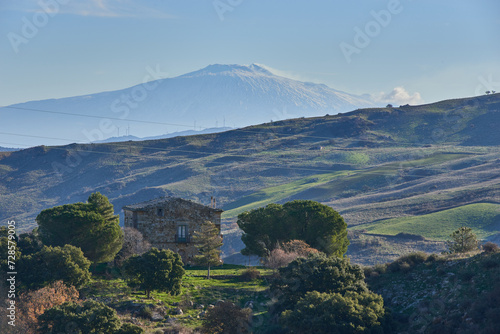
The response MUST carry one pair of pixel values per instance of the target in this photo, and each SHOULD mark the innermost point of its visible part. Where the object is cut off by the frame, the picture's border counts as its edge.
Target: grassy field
(277, 193)
(483, 218)
(340, 183)
(198, 293)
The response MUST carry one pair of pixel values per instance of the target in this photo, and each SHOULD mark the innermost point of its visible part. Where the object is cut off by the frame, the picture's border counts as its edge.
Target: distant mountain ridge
(215, 96)
(164, 136)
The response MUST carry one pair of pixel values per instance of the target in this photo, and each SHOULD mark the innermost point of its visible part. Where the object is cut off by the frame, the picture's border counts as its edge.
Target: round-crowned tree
(159, 270)
(318, 225)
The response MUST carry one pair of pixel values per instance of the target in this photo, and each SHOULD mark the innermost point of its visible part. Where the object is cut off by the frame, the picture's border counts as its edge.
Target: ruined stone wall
(160, 230)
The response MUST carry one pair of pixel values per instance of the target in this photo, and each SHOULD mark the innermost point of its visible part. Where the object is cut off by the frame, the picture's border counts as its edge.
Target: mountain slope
(218, 95)
(369, 165)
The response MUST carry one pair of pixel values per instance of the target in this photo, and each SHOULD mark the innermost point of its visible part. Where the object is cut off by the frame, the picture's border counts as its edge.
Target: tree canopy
(159, 270)
(92, 226)
(323, 313)
(316, 273)
(85, 318)
(318, 225)
(51, 264)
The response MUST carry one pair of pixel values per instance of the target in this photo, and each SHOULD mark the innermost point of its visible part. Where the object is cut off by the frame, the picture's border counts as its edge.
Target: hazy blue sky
(438, 49)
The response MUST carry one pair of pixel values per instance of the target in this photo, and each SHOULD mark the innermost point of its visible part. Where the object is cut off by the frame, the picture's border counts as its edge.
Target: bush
(249, 274)
(177, 329)
(433, 258)
(55, 263)
(128, 328)
(490, 247)
(279, 258)
(298, 246)
(34, 303)
(227, 318)
(146, 312)
(406, 262)
(335, 313)
(375, 270)
(88, 317)
(317, 272)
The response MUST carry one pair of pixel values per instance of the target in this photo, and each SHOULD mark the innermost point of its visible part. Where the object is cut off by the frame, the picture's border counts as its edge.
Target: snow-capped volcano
(215, 96)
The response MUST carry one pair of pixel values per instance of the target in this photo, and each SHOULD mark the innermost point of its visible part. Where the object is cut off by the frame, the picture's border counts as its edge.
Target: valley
(414, 169)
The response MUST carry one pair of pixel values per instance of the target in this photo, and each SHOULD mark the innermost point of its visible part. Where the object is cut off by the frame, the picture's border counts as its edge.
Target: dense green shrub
(128, 328)
(407, 262)
(315, 273)
(55, 263)
(86, 318)
(320, 313)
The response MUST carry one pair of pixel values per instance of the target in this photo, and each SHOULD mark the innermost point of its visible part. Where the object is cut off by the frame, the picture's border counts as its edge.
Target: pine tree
(91, 226)
(208, 241)
(464, 240)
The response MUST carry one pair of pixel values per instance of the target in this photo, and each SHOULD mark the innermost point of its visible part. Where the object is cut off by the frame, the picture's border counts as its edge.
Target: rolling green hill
(483, 218)
(369, 164)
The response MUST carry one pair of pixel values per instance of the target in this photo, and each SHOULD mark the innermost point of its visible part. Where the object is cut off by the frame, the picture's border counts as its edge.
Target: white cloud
(398, 96)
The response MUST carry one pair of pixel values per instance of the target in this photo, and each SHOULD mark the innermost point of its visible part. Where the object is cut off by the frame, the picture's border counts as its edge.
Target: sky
(417, 51)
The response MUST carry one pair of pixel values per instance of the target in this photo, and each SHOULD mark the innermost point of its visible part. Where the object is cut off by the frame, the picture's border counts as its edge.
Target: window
(182, 235)
(134, 219)
(159, 212)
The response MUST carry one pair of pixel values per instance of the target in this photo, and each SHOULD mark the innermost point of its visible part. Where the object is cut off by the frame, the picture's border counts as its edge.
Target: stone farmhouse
(169, 223)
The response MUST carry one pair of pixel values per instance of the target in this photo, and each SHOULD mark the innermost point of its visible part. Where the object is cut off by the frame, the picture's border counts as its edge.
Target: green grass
(224, 285)
(329, 185)
(483, 218)
(277, 193)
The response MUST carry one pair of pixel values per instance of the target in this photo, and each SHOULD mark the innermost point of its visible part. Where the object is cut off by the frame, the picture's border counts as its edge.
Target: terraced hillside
(372, 165)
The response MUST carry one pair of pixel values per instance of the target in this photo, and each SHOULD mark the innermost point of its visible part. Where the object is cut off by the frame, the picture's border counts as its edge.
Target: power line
(98, 117)
(161, 123)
